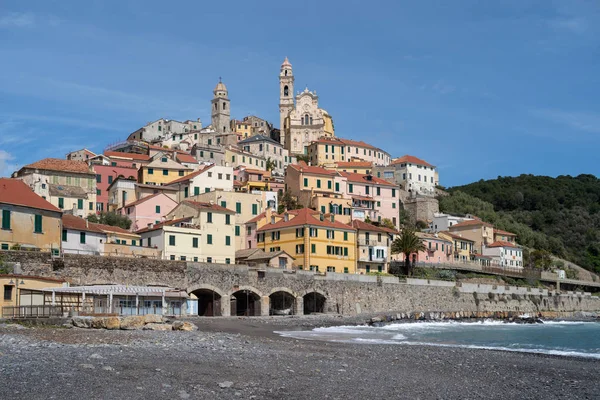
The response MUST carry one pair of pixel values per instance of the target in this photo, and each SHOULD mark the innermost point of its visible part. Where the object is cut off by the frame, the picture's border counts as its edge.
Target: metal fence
(34, 311)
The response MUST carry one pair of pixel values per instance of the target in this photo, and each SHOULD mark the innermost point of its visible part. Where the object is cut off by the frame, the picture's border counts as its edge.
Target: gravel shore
(233, 358)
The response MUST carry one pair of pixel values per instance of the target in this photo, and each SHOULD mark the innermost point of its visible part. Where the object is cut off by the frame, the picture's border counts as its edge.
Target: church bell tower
(221, 114)
(286, 96)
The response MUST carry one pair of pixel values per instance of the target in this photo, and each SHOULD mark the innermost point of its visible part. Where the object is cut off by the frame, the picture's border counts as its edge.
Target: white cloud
(6, 166)
(17, 20)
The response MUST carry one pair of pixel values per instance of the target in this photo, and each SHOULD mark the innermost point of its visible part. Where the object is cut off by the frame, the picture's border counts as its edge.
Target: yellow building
(318, 243)
(26, 219)
(357, 167)
(161, 170)
(22, 291)
(463, 249)
(327, 151)
(481, 233)
(243, 128)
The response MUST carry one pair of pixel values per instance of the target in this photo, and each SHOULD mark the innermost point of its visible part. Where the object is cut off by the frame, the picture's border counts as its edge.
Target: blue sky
(480, 89)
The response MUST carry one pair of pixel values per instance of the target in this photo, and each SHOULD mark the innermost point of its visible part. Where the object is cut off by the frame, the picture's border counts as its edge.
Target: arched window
(306, 119)
(311, 120)
(216, 106)
(224, 106)
(285, 73)
(285, 89)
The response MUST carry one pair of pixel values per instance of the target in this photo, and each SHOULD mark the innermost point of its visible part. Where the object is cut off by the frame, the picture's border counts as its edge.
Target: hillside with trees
(560, 215)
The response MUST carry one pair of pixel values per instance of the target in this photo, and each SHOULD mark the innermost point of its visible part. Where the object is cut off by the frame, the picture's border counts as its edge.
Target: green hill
(561, 215)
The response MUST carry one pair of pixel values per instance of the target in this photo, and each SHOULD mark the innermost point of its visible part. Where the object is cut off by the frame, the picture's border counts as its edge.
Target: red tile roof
(362, 178)
(305, 216)
(472, 222)
(358, 164)
(364, 226)
(501, 232)
(58, 164)
(132, 156)
(455, 236)
(165, 223)
(304, 168)
(411, 160)
(16, 192)
(501, 243)
(190, 176)
(186, 158)
(198, 205)
(79, 224)
(114, 229)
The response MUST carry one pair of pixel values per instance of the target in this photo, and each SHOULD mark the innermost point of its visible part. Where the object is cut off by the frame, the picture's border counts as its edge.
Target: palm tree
(407, 243)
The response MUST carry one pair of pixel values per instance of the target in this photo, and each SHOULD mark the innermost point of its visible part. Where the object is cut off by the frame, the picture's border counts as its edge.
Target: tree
(387, 223)
(110, 218)
(303, 157)
(287, 201)
(270, 164)
(407, 243)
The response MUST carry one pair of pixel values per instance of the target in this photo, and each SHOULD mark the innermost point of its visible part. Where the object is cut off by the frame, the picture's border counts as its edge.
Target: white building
(504, 254)
(268, 149)
(412, 174)
(81, 237)
(164, 129)
(209, 178)
(442, 222)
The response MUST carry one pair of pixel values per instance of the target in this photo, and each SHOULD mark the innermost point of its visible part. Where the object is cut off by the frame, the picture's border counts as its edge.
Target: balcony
(372, 258)
(371, 242)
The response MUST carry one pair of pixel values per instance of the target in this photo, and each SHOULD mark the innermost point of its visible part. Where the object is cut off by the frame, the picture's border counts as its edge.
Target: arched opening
(285, 89)
(209, 303)
(285, 73)
(224, 106)
(282, 303)
(314, 302)
(245, 303)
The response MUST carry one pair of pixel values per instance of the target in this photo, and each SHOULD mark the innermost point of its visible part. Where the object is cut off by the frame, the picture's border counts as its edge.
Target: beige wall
(29, 283)
(22, 228)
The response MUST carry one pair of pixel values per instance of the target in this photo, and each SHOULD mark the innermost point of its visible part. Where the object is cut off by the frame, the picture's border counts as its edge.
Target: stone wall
(421, 208)
(344, 293)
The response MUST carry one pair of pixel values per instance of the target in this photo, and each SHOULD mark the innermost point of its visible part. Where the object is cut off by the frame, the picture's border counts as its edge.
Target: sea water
(581, 339)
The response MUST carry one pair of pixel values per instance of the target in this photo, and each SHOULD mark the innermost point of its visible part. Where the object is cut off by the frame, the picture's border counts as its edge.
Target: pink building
(372, 197)
(148, 210)
(437, 250)
(105, 175)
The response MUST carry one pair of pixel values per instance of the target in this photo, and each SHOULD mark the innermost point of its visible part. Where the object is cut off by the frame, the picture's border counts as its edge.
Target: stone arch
(314, 301)
(245, 301)
(210, 300)
(283, 289)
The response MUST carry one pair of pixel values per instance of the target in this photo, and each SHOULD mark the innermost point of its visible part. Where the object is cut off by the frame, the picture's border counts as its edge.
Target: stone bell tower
(221, 114)
(286, 96)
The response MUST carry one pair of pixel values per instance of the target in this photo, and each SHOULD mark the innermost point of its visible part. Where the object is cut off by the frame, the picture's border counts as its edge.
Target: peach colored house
(148, 211)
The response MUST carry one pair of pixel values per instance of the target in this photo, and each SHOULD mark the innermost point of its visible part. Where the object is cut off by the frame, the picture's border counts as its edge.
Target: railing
(34, 311)
(370, 243)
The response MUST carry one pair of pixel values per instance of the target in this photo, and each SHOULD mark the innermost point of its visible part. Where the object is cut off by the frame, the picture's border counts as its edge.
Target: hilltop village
(243, 191)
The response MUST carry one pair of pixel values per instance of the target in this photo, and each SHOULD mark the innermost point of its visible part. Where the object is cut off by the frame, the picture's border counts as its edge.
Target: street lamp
(17, 283)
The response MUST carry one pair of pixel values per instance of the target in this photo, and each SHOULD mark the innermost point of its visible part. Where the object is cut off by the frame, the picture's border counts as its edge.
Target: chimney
(268, 214)
(87, 224)
(332, 216)
(286, 216)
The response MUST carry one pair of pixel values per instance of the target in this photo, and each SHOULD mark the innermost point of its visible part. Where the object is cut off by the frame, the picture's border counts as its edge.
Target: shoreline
(233, 358)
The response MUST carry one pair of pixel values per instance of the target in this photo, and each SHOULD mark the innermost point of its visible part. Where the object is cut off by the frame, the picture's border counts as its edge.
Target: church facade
(301, 119)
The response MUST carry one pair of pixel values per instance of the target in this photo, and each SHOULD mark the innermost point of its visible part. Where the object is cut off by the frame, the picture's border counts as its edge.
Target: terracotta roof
(365, 198)
(160, 225)
(145, 199)
(190, 176)
(58, 164)
(259, 217)
(472, 222)
(455, 236)
(364, 226)
(186, 158)
(501, 243)
(501, 232)
(154, 147)
(359, 143)
(245, 253)
(303, 167)
(267, 255)
(133, 156)
(79, 224)
(411, 160)
(257, 171)
(114, 229)
(305, 216)
(358, 164)
(430, 236)
(198, 205)
(15, 191)
(238, 183)
(362, 178)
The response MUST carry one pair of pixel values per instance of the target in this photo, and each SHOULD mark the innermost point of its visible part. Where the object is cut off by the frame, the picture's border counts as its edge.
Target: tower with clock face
(286, 95)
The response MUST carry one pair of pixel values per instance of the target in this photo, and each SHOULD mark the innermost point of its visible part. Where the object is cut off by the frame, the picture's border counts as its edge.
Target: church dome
(220, 87)
(286, 63)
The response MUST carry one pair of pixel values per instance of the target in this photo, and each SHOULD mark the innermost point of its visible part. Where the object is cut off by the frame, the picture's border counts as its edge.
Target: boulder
(133, 322)
(153, 319)
(158, 327)
(184, 326)
(106, 323)
(82, 322)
